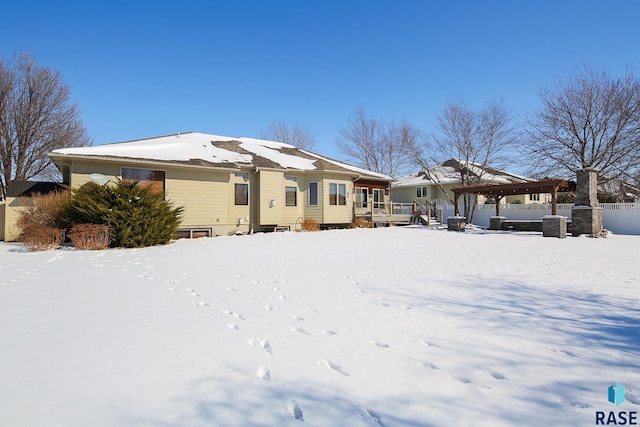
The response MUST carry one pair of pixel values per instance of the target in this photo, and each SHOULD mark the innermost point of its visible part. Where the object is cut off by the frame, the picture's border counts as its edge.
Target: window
(291, 191)
(534, 197)
(291, 196)
(337, 194)
(378, 198)
(242, 194)
(313, 194)
(362, 196)
(145, 177)
(421, 192)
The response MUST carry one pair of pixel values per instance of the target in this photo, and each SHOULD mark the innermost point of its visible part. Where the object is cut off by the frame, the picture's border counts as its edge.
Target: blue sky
(143, 69)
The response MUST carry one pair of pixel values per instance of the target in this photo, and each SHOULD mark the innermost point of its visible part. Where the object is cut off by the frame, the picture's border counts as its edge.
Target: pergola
(498, 191)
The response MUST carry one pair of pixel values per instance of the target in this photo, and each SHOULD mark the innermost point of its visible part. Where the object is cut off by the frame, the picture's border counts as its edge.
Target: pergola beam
(548, 185)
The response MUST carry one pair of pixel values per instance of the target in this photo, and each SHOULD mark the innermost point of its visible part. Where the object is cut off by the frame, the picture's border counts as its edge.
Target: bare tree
(377, 145)
(36, 117)
(466, 145)
(591, 120)
(296, 135)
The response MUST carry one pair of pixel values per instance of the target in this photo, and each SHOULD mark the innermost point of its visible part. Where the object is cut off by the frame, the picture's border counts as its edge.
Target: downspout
(254, 205)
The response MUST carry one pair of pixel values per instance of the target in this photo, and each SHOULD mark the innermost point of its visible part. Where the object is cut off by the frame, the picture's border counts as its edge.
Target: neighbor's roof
(200, 149)
(449, 173)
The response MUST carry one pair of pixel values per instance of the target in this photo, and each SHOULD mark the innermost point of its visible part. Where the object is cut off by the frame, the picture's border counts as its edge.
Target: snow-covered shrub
(89, 236)
(136, 215)
(41, 237)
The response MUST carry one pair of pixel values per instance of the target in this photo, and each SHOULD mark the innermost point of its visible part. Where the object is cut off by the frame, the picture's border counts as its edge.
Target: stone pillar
(495, 222)
(456, 223)
(586, 215)
(554, 226)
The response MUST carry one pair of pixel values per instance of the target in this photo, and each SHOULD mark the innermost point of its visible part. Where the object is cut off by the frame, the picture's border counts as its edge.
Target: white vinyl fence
(619, 218)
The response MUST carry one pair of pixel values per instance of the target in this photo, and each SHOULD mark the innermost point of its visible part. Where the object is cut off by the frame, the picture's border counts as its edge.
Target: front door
(378, 198)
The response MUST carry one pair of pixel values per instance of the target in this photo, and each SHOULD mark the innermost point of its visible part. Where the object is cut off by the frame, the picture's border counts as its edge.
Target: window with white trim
(313, 194)
(337, 194)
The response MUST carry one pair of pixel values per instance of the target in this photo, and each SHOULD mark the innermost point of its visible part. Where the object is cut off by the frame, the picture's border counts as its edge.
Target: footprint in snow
(329, 332)
(262, 344)
(371, 417)
(233, 326)
(429, 343)
(200, 304)
(300, 330)
(334, 367)
(294, 409)
(264, 373)
(430, 365)
(236, 315)
(581, 405)
(498, 375)
(297, 318)
(380, 344)
(565, 352)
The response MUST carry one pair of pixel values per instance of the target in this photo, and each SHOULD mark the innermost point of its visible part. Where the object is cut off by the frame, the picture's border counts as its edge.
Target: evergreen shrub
(136, 215)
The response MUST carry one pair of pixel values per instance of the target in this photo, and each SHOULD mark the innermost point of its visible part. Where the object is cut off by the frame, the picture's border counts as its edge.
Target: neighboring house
(426, 187)
(621, 191)
(226, 184)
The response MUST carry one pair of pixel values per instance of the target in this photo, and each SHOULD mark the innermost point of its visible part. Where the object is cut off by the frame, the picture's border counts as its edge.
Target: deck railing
(383, 208)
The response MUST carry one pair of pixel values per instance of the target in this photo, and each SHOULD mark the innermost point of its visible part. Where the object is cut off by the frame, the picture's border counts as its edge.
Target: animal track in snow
(430, 365)
(297, 318)
(329, 332)
(269, 307)
(236, 315)
(294, 409)
(380, 344)
(264, 373)
(371, 417)
(498, 375)
(429, 343)
(334, 367)
(262, 344)
(300, 330)
(233, 326)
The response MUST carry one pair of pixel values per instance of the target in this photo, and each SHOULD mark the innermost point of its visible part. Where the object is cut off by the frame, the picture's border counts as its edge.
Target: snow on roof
(215, 149)
(444, 173)
(352, 168)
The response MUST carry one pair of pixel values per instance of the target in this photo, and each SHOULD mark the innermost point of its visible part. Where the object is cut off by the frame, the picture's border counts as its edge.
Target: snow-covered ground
(405, 326)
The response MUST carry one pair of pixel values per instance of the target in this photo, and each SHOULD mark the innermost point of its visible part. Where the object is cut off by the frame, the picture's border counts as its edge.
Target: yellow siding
(81, 170)
(3, 223)
(238, 215)
(308, 211)
(271, 194)
(337, 214)
(202, 194)
(292, 213)
(12, 212)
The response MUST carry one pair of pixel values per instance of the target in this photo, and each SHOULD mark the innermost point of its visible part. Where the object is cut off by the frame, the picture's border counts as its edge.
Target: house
(434, 184)
(226, 185)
